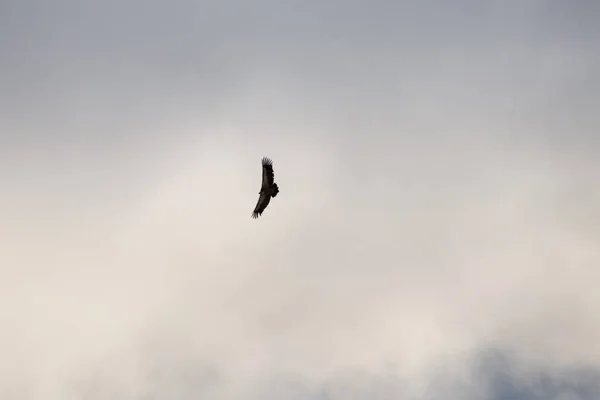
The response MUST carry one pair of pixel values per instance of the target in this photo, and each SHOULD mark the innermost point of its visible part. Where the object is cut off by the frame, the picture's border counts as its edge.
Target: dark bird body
(268, 188)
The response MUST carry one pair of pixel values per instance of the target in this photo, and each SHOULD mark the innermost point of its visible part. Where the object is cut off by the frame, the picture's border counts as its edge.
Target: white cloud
(436, 201)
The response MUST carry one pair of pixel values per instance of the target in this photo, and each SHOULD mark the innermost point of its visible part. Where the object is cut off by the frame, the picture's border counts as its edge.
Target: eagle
(268, 188)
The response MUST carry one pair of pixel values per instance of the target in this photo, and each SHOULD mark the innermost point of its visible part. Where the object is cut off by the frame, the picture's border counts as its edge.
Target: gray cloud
(436, 164)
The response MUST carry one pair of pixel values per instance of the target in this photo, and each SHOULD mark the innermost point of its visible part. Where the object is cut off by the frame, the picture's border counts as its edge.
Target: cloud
(435, 202)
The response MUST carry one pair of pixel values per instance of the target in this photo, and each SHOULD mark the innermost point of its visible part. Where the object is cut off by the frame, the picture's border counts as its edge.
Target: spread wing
(263, 202)
(268, 177)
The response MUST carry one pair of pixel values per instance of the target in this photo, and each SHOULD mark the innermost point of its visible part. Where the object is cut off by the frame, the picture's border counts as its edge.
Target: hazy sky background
(437, 232)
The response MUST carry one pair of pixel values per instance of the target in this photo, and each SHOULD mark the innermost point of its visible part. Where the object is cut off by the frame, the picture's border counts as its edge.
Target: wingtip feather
(267, 161)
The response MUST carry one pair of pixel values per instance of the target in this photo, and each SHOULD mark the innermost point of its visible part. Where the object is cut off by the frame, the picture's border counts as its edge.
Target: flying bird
(268, 188)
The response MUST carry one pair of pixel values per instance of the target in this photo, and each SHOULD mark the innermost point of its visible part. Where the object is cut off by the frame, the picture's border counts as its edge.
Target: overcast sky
(436, 235)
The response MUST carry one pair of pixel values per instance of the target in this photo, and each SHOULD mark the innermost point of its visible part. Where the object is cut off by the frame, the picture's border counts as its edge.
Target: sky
(436, 235)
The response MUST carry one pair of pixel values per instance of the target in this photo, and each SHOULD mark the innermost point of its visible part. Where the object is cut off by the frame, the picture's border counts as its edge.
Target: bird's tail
(275, 190)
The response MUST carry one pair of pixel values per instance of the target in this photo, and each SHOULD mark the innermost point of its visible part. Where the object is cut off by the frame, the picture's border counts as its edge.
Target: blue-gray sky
(436, 235)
